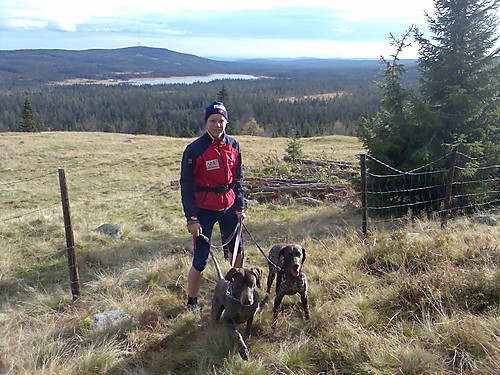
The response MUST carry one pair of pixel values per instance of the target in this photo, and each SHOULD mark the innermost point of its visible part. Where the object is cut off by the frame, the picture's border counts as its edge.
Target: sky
(223, 29)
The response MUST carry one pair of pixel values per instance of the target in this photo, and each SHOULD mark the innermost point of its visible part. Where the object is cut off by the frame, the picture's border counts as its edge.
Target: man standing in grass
(211, 188)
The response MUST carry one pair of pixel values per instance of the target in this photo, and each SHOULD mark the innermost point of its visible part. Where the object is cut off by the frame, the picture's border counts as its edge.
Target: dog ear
(303, 255)
(258, 274)
(281, 253)
(230, 274)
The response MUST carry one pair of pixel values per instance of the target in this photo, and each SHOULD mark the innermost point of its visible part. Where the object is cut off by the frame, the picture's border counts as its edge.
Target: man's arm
(187, 185)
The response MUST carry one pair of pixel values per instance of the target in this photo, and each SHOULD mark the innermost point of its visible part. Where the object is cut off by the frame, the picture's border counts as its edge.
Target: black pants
(227, 224)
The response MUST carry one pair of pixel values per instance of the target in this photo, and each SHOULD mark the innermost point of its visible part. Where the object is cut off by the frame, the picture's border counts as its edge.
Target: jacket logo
(212, 164)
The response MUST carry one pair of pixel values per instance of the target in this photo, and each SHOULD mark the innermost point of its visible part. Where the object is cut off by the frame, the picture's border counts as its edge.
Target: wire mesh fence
(449, 186)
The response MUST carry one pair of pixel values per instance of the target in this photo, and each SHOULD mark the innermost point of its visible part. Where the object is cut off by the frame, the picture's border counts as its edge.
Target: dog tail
(217, 267)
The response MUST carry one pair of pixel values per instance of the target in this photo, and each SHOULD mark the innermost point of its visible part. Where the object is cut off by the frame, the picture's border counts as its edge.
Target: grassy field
(414, 300)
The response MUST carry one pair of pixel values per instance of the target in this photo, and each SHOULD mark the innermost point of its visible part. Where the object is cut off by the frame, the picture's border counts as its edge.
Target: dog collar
(229, 293)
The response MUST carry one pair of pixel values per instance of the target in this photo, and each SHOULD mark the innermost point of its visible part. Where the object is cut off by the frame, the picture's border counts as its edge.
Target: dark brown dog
(291, 279)
(237, 298)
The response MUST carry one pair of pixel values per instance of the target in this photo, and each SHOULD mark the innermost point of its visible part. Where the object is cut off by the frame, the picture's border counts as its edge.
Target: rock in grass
(106, 320)
(113, 230)
(485, 219)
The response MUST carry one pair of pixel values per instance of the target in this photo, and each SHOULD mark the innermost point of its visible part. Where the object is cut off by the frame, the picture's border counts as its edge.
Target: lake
(189, 80)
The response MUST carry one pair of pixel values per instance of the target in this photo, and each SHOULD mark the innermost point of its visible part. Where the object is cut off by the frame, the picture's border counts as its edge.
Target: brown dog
(236, 296)
(291, 279)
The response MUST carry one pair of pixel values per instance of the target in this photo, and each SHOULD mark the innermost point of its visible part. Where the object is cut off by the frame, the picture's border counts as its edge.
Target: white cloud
(69, 13)
(257, 48)
(26, 24)
(343, 30)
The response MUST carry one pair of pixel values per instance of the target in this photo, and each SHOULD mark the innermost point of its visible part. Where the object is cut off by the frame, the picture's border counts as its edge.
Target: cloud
(230, 48)
(343, 29)
(258, 28)
(70, 13)
(26, 24)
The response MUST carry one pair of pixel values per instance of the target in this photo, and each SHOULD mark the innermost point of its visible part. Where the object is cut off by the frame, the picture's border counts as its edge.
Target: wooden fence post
(70, 240)
(364, 209)
(449, 185)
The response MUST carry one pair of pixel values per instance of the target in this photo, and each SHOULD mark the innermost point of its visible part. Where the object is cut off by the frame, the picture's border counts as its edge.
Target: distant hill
(38, 67)
(44, 65)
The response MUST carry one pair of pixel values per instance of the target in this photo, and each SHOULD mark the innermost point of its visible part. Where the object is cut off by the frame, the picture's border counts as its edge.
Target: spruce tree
(145, 125)
(456, 104)
(460, 73)
(186, 131)
(294, 150)
(224, 97)
(27, 123)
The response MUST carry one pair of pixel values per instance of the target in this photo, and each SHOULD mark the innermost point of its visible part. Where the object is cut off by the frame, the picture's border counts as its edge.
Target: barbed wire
(145, 193)
(402, 173)
(28, 213)
(411, 204)
(155, 186)
(404, 188)
(472, 205)
(475, 181)
(27, 179)
(471, 157)
(477, 168)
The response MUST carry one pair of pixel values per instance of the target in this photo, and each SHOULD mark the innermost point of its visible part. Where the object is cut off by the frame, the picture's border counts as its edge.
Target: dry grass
(411, 300)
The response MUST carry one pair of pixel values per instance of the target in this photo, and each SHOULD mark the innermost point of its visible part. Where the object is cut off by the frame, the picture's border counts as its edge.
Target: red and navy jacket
(211, 176)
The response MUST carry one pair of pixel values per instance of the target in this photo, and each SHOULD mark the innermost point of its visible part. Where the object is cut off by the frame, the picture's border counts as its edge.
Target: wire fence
(31, 203)
(452, 185)
(390, 196)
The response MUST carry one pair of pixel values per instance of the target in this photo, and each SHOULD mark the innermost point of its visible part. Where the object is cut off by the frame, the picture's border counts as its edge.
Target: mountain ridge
(41, 66)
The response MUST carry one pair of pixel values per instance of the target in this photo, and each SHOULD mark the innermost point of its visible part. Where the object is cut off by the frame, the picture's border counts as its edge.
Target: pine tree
(294, 150)
(460, 76)
(146, 125)
(186, 131)
(224, 97)
(459, 90)
(28, 119)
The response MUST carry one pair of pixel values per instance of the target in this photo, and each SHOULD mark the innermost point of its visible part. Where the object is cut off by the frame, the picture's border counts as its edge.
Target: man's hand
(194, 228)
(241, 215)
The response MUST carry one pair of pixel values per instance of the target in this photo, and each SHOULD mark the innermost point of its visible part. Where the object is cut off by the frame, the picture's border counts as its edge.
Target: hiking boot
(192, 304)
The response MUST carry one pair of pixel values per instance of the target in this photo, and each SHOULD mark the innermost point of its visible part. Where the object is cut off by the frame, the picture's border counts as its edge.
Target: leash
(216, 263)
(238, 230)
(236, 243)
(260, 249)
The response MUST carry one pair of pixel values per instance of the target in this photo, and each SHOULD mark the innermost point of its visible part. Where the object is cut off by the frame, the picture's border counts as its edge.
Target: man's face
(216, 124)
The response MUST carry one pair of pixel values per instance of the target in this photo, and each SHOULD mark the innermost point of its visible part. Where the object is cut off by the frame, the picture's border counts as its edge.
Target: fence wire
(82, 192)
(432, 189)
(391, 197)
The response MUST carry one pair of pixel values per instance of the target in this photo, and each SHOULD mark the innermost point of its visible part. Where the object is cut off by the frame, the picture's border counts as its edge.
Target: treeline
(278, 106)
